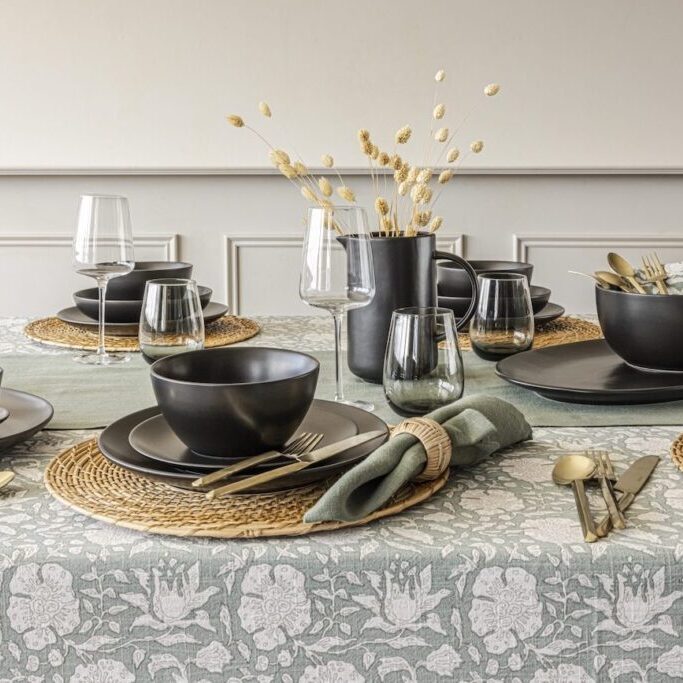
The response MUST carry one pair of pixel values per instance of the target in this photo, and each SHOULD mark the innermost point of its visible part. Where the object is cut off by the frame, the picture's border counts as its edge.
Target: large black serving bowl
(453, 280)
(646, 330)
(120, 311)
(231, 403)
(132, 285)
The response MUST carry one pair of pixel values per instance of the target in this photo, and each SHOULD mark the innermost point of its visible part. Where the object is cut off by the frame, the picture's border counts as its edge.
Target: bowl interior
(539, 292)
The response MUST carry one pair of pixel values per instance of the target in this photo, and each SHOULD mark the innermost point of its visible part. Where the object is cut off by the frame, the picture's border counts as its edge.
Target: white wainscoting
(554, 255)
(37, 273)
(262, 273)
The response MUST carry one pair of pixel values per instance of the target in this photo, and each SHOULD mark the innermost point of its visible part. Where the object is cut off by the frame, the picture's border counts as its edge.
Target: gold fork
(655, 272)
(301, 444)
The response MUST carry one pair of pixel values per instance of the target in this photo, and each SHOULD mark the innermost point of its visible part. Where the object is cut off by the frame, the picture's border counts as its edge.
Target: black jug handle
(469, 271)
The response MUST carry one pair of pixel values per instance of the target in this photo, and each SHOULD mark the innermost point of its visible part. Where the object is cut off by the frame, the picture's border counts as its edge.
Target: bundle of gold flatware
(605, 474)
(623, 268)
(655, 273)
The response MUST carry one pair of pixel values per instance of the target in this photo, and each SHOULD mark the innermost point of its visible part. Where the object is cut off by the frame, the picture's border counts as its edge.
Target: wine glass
(103, 249)
(503, 323)
(423, 367)
(172, 320)
(337, 272)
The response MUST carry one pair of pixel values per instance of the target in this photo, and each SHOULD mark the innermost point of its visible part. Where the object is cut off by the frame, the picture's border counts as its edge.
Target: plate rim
(30, 430)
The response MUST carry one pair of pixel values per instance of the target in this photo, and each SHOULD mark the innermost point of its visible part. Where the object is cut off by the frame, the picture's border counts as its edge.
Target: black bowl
(539, 298)
(646, 330)
(115, 311)
(131, 287)
(457, 304)
(233, 403)
(453, 281)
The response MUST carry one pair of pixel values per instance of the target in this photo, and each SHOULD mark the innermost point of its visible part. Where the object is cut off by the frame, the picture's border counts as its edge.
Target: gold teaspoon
(622, 267)
(573, 470)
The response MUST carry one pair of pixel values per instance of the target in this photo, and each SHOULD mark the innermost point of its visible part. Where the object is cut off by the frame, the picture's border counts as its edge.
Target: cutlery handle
(618, 520)
(587, 524)
(226, 472)
(638, 287)
(257, 479)
(605, 524)
(6, 477)
(663, 289)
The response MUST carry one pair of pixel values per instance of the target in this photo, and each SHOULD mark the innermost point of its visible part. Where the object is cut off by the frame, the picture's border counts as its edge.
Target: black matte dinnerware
(405, 276)
(171, 321)
(337, 273)
(539, 298)
(4, 413)
(235, 402)
(28, 414)
(454, 282)
(423, 367)
(503, 323)
(645, 330)
(459, 304)
(132, 286)
(588, 372)
(103, 250)
(547, 314)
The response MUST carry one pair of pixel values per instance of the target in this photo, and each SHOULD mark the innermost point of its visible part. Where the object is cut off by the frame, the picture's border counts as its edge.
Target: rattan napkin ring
(434, 439)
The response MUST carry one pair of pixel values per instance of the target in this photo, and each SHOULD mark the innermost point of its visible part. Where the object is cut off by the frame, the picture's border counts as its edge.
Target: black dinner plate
(73, 316)
(28, 414)
(459, 304)
(156, 440)
(547, 313)
(115, 446)
(588, 372)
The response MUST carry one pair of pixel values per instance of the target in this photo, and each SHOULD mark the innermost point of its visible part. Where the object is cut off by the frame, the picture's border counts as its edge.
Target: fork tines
(655, 272)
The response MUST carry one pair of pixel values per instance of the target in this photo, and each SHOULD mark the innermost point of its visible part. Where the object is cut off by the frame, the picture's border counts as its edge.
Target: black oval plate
(28, 414)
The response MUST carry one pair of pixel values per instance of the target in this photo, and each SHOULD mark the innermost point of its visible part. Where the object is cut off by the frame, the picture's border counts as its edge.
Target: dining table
(487, 580)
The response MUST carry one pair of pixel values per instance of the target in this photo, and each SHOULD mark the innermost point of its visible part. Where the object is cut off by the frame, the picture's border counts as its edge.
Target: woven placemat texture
(52, 331)
(561, 331)
(676, 451)
(83, 479)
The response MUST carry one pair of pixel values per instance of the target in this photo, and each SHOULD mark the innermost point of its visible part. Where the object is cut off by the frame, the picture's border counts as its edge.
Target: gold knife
(303, 461)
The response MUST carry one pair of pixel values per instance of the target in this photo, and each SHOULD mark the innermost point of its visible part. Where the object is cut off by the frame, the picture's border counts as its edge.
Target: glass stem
(102, 291)
(339, 358)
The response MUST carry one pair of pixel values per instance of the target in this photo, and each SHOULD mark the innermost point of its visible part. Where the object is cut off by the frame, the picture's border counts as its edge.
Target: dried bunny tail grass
(328, 160)
(235, 120)
(279, 156)
(375, 151)
(346, 193)
(383, 159)
(265, 109)
(420, 194)
(325, 186)
(439, 111)
(325, 203)
(492, 89)
(477, 146)
(366, 147)
(413, 173)
(381, 206)
(309, 194)
(287, 170)
(404, 187)
(453, 155)
(423, 217)
(424, 176)
(387, 225)
(436, 224)
(300, 168)
(396, 162)
(363, 135)
(441, 135)
(445, 176)
(439, 75)
(403, 135)
(401, 174)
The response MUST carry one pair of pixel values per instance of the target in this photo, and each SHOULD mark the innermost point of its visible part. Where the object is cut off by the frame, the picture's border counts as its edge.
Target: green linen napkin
(477, 426)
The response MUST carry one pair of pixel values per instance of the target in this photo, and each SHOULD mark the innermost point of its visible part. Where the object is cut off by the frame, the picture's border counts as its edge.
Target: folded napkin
(477, 426)
(674, 282)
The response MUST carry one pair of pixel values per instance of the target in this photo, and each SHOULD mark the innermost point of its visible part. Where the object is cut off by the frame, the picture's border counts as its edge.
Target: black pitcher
(405, 275)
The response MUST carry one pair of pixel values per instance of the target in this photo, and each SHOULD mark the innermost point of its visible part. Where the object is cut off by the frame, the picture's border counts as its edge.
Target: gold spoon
(613, 280)
(574, 469)
(622, 267)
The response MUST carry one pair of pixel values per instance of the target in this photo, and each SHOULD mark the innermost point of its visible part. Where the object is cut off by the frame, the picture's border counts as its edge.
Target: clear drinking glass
(423, 367)
(503, 323)
(172, 320)
(337, 273)
(103, 249)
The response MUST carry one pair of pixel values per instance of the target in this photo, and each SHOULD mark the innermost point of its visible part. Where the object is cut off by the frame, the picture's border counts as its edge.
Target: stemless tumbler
(422, 367)
(171, 321)
(503, 323)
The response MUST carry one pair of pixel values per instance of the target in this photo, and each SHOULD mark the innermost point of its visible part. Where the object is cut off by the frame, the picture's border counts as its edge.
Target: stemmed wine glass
(103, 249)
(337, 272)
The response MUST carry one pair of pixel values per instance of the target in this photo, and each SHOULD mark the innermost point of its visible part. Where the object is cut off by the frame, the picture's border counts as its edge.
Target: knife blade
(630, 483)
(303, 461)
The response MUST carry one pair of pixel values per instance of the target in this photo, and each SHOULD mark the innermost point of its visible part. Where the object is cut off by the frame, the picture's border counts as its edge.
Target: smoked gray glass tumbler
(503, 323)
(422, 367)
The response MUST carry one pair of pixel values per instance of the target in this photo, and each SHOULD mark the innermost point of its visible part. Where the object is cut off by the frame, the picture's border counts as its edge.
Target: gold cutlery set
(575, 470)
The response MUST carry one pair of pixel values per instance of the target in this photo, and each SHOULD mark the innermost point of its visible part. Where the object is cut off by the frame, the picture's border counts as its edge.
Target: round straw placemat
(52, 331)
(83, 479)
(676, 451)
(561, 331)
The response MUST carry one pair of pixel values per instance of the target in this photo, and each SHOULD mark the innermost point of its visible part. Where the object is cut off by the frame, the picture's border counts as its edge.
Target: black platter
(28, 414)
(588, 372)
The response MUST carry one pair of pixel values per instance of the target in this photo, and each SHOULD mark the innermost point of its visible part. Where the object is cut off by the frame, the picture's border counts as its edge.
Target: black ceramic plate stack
(219, 406)
(455, 291)
(125, 295)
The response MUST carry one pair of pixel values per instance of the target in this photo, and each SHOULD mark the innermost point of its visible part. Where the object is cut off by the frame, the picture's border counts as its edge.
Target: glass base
(102, 358)
(363, 405)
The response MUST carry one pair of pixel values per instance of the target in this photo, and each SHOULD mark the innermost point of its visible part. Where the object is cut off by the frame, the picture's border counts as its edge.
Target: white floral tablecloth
(487, 581)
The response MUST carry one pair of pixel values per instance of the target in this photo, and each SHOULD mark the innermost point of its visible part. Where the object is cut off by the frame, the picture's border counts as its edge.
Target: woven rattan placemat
(82, 478)
(676, 451)
(52, 331)
(561, 331)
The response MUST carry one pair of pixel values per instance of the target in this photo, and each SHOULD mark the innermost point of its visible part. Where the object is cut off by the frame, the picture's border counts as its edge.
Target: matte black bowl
(457, 304)
(453, 281)
(646, 330)
(116, 311)
(540, 296)
(131, 287)
(232, 403)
